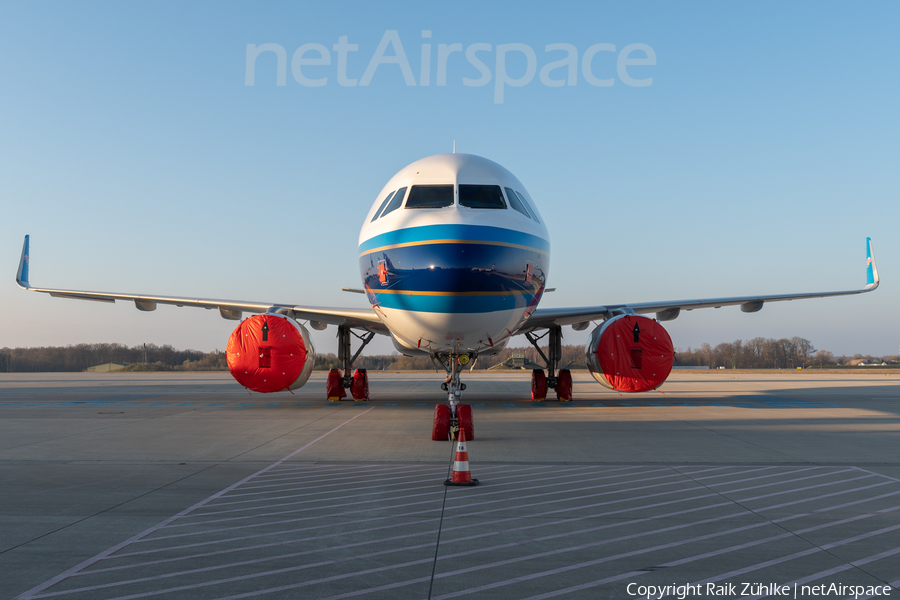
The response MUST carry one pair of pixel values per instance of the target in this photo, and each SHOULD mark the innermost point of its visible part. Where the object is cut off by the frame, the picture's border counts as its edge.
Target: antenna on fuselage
(454, 146)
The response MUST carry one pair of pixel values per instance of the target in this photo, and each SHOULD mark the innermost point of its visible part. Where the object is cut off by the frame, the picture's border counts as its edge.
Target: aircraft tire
(360, 386)
(440, 429)
(466, 421)
(538, 385)
(564, 385)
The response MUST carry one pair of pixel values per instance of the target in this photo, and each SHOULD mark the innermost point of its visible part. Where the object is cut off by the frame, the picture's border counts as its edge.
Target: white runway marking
(538, 532)
(32, 593)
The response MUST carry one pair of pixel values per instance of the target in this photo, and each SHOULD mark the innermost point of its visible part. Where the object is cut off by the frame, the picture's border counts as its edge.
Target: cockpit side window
(430, 196)
(531, 210)
(516, 203)
(381, 208)
(396, 201)
(481, 196)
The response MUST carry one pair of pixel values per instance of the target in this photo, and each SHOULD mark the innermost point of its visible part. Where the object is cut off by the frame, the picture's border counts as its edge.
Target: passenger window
(481, 196)
(516, 203)
(381, 208)
(528, 206)
(430, 196)
(396, 201)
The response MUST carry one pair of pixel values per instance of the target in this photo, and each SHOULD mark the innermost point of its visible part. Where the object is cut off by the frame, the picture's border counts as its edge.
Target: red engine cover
(630, 353)
(269, 353)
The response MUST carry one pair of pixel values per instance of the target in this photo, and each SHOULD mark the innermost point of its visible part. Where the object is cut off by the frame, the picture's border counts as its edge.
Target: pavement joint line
(263, 535)
(333, 506)
(327, 492)
(336, 472)
(281, 489)
(410, 513)
(365, 476)
(287, 479)
(784, 474)
(582, 564)
(470, 525)
(732, 473)
(330, 561)
(470, 537)
(367, 492)
(385, 568)
(300, 479)
(832, 495)
(845, 567)
(792, 491)
(607, 559)
(310, 475)
(379, 541)
(314, 470)
(27, 595)
(378, 501)
(634, 489)
(877, 474)
(673, 492)
(314, 493)
(809, 551)
(646, 506)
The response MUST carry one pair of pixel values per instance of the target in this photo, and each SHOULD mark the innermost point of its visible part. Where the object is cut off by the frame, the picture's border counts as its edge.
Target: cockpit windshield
(381, 208)
(516, 203)
(481, 196)
(396, 201)
(528, 206)
(430, 196)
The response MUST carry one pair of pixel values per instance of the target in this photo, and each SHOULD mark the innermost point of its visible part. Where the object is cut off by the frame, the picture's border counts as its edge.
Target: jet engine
(630, 353)
(270, 353)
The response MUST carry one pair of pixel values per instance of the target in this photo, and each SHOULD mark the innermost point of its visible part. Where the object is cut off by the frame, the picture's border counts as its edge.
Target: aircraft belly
(445, 332)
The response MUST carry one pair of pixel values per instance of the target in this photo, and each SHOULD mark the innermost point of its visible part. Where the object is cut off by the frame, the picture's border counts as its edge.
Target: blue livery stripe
(454, 234)
(452, 303)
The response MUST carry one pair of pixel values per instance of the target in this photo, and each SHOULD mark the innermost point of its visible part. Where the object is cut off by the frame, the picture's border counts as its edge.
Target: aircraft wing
(362, 318)
(543, 318)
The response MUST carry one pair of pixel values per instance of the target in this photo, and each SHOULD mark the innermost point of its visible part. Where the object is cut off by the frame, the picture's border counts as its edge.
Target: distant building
(518, 361)
(106, 368)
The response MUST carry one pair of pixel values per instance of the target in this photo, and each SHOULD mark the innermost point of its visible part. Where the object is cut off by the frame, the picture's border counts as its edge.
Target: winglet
(872, 280)
(22, 274)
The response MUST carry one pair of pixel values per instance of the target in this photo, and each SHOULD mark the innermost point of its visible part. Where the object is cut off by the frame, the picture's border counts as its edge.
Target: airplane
(454, 258)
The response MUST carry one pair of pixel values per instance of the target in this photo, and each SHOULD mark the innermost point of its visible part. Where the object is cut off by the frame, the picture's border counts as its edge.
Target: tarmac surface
(186, 486)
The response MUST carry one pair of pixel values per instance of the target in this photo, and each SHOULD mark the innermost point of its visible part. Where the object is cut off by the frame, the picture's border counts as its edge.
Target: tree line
(769, 353)
(79, 357)
(758, 353)
(151, 357)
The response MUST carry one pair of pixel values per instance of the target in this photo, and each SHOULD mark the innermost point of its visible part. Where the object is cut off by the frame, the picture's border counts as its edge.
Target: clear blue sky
(762, 155)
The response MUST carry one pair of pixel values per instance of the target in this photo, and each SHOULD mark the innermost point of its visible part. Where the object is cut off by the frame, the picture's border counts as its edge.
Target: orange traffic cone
(461, 475)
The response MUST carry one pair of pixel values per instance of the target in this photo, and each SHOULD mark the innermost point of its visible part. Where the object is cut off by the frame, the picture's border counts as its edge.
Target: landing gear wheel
(466, 422)
(440, 430)
(538, 385)
(564, 385)
(334, 386)
(359, 387)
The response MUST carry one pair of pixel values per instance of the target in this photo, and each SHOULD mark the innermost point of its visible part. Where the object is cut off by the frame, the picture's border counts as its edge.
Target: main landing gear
(560, 381)
(358, 384)
(451, 417)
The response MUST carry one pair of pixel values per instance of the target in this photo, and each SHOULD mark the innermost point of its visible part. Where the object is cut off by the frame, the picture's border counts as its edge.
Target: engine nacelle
(630, 353)
(270, 353)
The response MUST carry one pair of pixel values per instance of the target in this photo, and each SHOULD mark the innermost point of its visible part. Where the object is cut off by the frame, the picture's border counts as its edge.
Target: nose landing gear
(451, 417)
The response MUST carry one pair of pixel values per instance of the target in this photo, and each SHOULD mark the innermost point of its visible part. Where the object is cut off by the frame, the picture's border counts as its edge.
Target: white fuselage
(453, 255)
